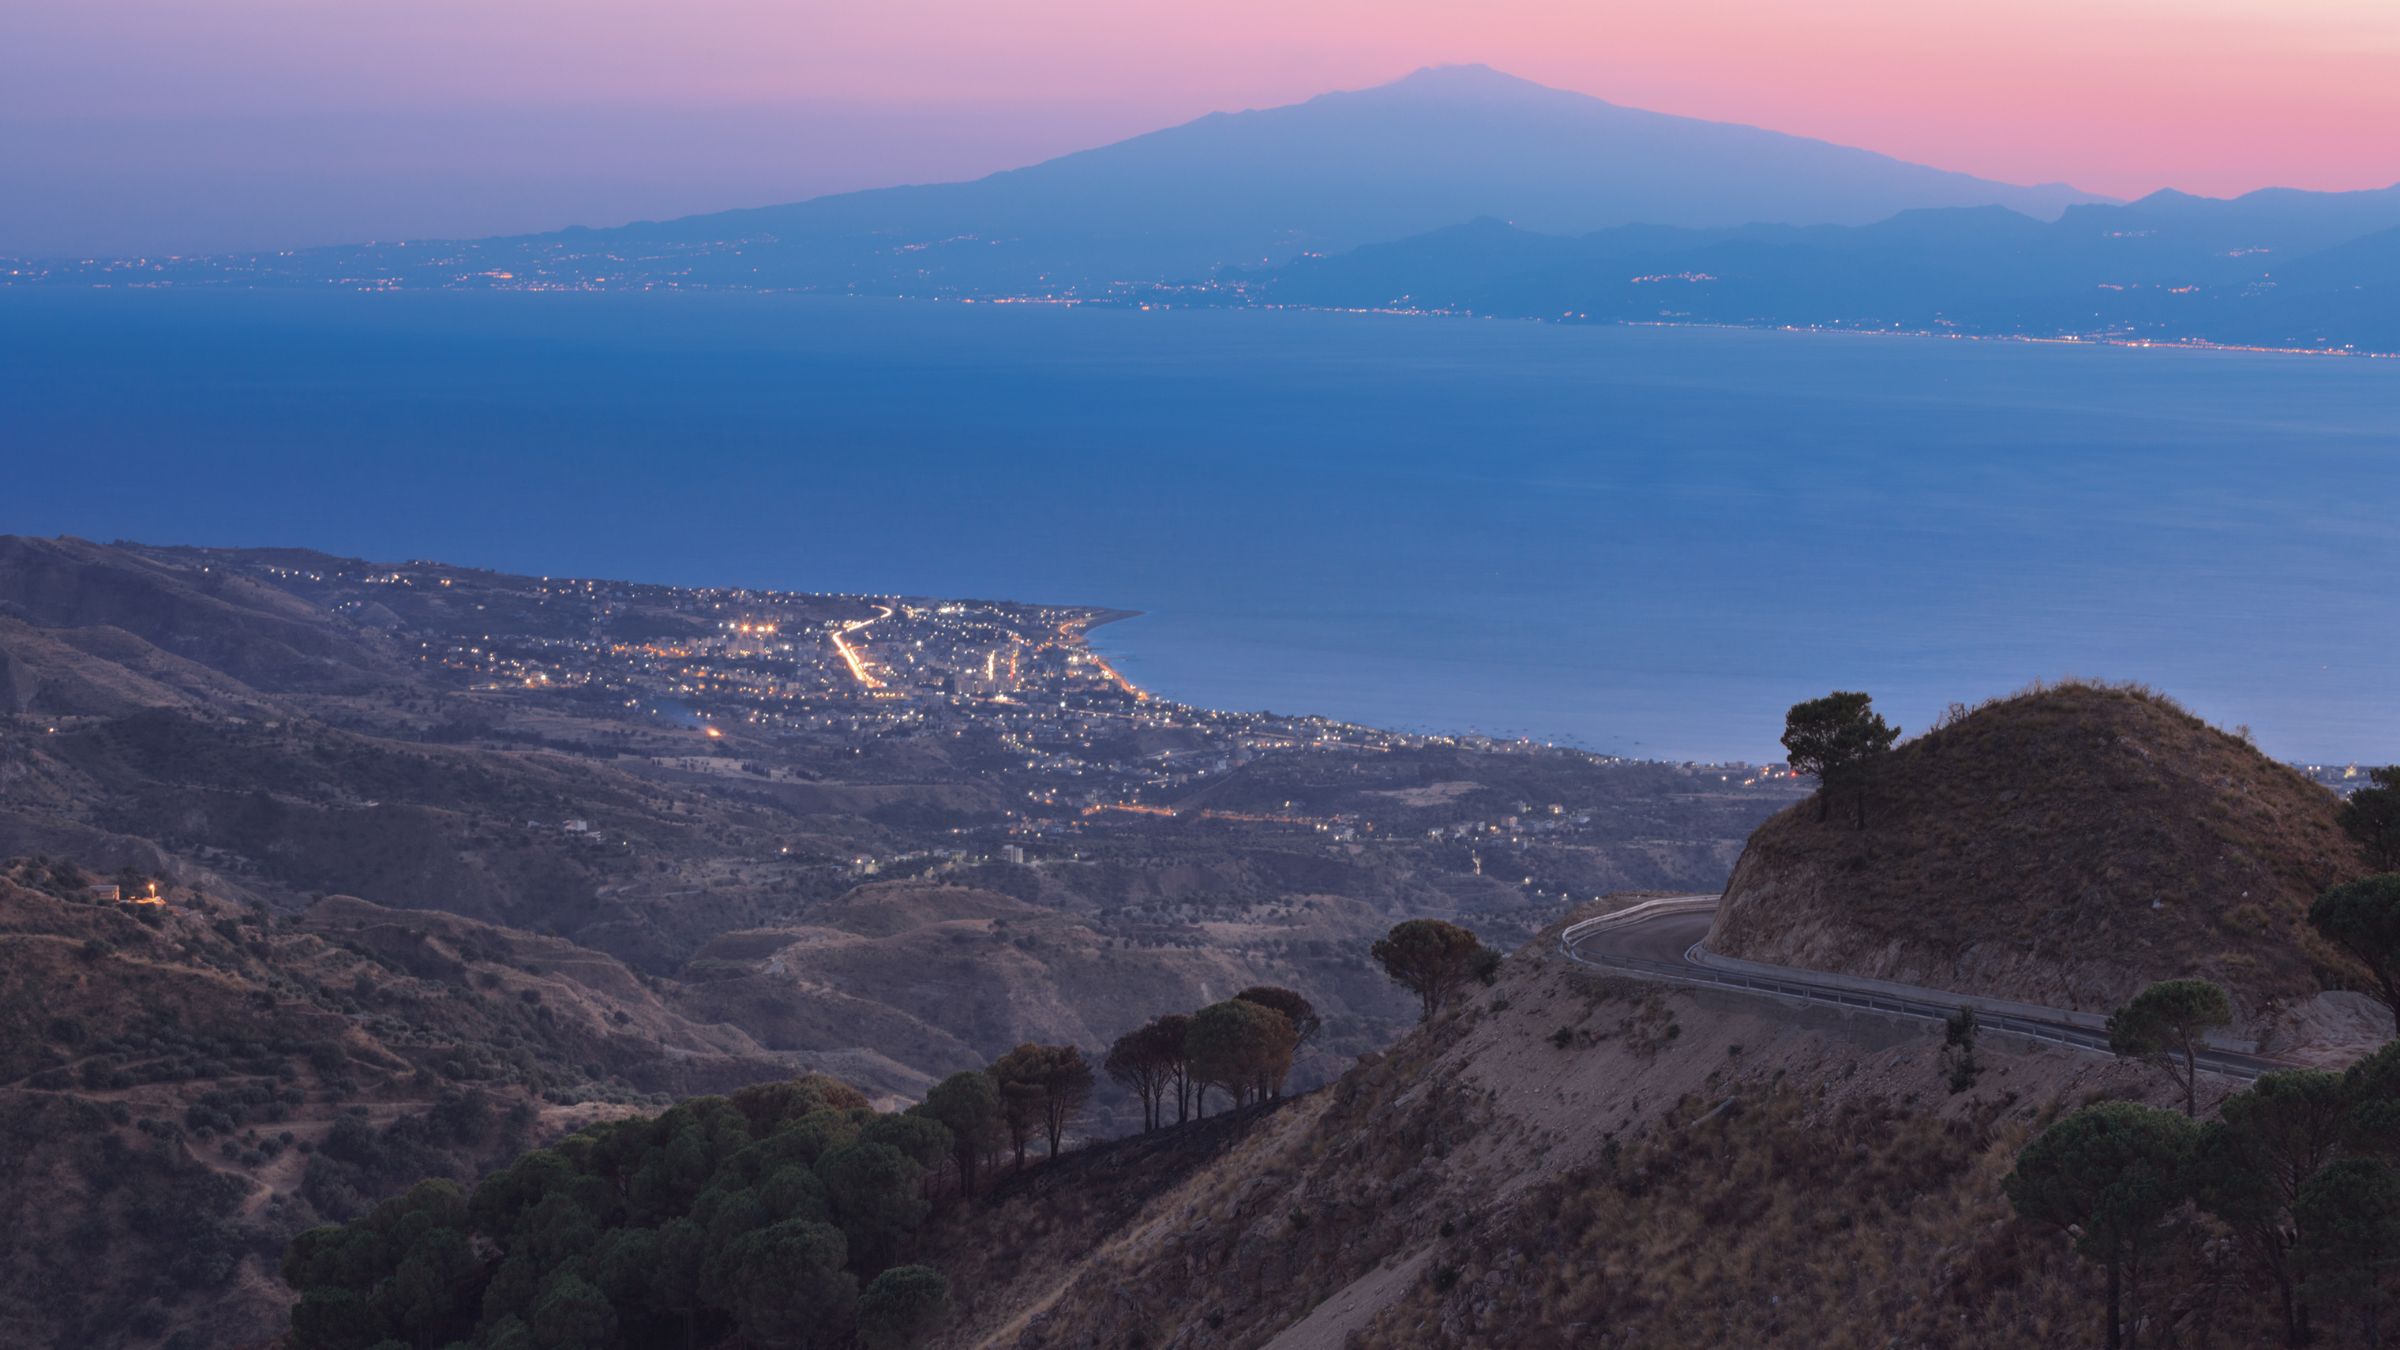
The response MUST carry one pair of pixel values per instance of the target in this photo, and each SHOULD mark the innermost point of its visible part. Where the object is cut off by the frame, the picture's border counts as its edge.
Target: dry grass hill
(2067, 846)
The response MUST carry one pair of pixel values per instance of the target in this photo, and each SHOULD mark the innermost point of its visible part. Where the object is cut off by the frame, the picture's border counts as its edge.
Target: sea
(1642, 541)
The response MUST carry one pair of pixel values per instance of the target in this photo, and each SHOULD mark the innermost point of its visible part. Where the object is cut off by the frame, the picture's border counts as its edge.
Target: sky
(134, 126)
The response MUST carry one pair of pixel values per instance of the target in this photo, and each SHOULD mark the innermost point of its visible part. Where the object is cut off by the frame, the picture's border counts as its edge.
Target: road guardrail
(1914, 1008)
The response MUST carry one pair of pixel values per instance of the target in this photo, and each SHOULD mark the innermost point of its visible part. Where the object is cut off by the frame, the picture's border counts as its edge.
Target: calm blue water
(1647, 541)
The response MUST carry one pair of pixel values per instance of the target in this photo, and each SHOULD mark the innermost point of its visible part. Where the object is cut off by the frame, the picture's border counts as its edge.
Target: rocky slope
(2065, 846)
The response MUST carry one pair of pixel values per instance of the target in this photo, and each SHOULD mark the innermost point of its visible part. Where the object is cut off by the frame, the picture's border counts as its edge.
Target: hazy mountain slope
(1245, 188)
(224, 620)
(2275, 223)
(2272, 268)
(1347, 167)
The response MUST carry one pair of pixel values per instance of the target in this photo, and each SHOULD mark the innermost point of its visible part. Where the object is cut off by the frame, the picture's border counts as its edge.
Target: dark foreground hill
(2065, 846)
(1556, 1159)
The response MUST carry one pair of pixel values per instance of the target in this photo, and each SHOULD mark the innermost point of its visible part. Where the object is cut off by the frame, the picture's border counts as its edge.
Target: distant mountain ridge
(2276, 268)
(1465, 190)
(1252, 188)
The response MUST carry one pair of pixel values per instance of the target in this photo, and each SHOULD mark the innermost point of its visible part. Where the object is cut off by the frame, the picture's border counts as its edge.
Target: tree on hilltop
(2113, 1175)
(2363, 919)
(2166, 1024)
(1431, 958)
(2372, 817)
(1833, 739)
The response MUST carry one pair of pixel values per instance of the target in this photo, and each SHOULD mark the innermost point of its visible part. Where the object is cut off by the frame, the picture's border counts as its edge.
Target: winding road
(1665, 940)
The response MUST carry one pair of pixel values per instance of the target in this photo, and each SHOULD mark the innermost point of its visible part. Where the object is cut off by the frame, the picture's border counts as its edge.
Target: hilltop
(2065, 846)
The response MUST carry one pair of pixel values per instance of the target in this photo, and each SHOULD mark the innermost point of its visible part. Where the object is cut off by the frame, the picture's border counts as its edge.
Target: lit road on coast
(1070, 634)
(852, 656)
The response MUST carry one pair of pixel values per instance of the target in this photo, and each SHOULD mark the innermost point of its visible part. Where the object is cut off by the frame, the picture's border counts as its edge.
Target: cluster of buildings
(784, 687)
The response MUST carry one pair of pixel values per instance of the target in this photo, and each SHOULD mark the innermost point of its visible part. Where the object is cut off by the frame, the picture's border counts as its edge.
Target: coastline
(1101, 618)
(1824, 330)
(16, 277)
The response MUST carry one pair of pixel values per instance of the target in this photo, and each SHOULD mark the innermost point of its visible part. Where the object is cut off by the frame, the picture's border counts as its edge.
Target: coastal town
(720, 687)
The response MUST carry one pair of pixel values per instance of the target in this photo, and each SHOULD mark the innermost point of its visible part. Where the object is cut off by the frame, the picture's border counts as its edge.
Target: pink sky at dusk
(217, 123)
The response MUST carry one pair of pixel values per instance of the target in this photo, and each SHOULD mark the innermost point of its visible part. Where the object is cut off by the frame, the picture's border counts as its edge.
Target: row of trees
(779, 1214)
(1032, 1090)
(1242, 1047)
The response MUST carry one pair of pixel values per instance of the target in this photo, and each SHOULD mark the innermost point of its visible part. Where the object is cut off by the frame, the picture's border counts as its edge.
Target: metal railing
(1833, 996)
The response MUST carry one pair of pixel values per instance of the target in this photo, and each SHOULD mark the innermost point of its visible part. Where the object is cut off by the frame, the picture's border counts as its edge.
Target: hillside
(1569, 1160)
(450, 849)
(2065, 846)
(614, 769)
(185, 1086)
(1558, 1158)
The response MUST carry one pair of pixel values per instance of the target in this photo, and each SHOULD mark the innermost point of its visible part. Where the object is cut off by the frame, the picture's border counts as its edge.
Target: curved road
(1665, 940)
